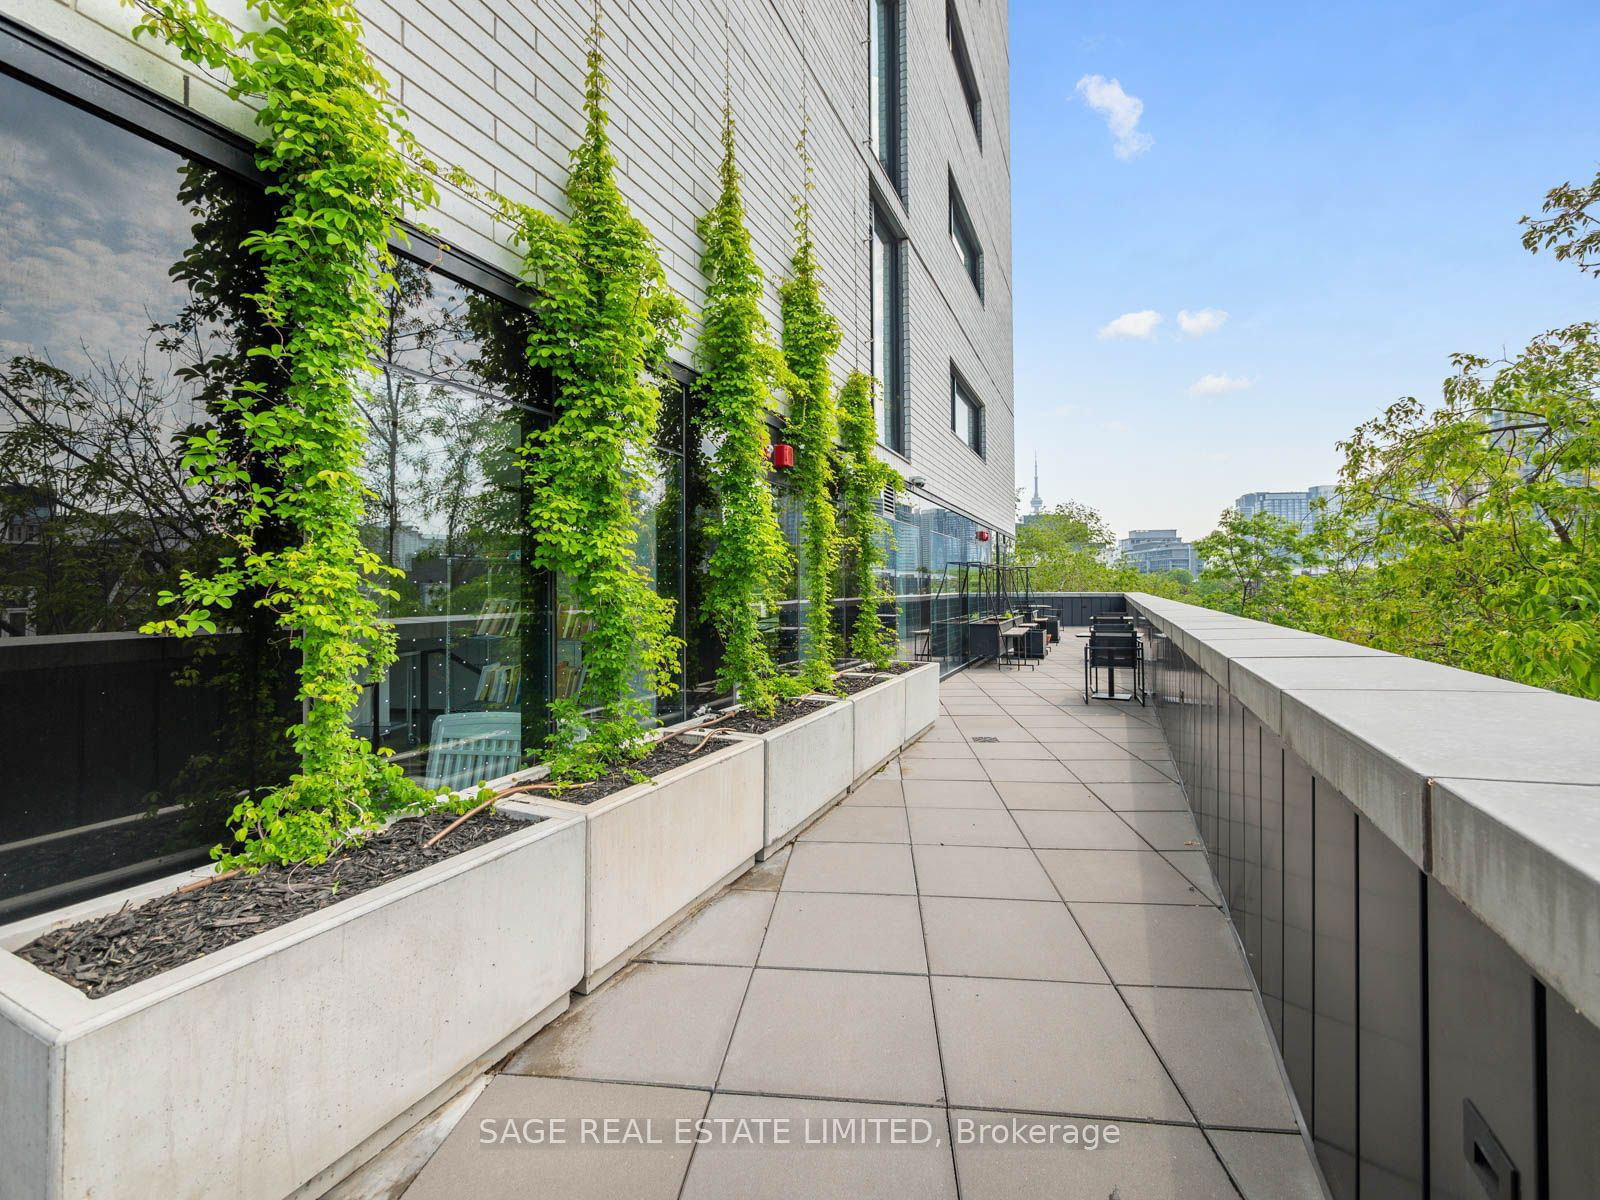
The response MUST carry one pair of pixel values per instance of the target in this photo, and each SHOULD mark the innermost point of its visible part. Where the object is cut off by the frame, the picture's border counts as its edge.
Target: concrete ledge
(879, 713)
(1525, 857)
(253, 1070)
(922, 701)
(808, 766)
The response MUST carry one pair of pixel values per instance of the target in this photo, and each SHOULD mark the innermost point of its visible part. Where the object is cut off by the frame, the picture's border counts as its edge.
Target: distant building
(1154, 551)
(1291, 506)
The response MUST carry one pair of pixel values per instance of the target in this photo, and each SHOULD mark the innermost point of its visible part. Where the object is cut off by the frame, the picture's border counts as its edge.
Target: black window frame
(963, 393)
(892, 394)
(887, 108)
(966, 74)
(964, 238)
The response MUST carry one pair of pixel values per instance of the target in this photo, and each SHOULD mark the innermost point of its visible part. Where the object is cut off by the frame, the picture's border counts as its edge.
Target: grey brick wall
(494, 87)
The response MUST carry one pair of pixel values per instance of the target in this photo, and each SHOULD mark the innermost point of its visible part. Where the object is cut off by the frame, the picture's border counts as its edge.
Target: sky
(1240, 229)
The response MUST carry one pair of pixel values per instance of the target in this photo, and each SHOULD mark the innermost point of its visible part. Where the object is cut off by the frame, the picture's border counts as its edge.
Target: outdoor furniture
(922, 643)
(1111, 648)
(1013, 648)
(468, 748)
(1036, 642)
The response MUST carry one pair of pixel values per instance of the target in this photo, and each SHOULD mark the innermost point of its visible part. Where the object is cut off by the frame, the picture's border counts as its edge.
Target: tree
(1066, 547)
(1249, 563)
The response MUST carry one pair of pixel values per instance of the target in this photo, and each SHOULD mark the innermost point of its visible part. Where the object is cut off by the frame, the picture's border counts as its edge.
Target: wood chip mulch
(789, 710)
(104, 954)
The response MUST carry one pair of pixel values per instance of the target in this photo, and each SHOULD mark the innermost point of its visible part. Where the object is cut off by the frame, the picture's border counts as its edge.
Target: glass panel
(886, 332)
(884, 84)
(123, 318)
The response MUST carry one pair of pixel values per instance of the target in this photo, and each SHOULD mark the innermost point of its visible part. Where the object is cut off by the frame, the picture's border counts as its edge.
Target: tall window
(966, 413)
(888, 328)
(884, 48)
(965, 239)
(964, 71)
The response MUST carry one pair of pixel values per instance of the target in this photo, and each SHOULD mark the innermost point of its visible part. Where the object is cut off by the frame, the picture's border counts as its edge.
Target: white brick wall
(496, 87)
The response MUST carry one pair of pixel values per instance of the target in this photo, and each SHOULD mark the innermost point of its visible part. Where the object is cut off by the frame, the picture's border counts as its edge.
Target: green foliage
(283, 462)
(810, 338)
(1250, 564)
(749, 560)
(866, 533)
(604, 323)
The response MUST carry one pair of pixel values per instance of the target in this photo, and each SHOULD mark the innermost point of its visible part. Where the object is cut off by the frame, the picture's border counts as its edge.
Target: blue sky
(1343, 181)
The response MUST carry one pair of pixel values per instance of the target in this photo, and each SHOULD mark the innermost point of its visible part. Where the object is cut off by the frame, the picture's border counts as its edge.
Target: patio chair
(1109, 649)
(467, 748)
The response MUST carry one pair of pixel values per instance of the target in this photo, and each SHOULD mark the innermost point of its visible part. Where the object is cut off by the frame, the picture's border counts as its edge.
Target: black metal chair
(1110, 648)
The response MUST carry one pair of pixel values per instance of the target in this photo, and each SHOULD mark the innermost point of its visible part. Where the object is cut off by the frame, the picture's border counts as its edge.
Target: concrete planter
(278, 1065)
(880, 724)
(808, 766)
(922, 700)
(656, 849)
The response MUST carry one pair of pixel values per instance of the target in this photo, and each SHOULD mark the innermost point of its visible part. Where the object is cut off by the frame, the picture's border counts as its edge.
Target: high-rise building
(1154, 551)
(1291, 506)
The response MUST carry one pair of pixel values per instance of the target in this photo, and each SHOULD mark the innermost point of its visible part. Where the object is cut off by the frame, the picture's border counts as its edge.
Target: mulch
(105, 954)
(851, 684)
(789, 710)
(673, 752)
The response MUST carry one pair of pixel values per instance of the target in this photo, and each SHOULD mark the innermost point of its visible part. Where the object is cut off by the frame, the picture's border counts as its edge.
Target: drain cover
(986, 739)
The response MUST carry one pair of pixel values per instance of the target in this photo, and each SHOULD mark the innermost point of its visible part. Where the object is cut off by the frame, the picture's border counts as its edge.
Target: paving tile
(1196, 868)
(1131, 771)
(1063, 734)
(1076, 752)
(1135, 797)
(1029, 770)
(1001, 728)
(942, 768)
(615, 1033)
(1147, 1162)
(1268, 1166)
(927, 749)
(1220, 1052)
(1008, 939)
(861, 823)
(875, 791)
(964, 827)
(1077, 830)
(836, 1035)
(990, 751)
(764, 876)
(942, 793)
(850, 867)
(1166, 830)
(1118, 876)
(984, 871)
(1048, 1047)
(877, 1168)
(942, 730)
(573, 1169)
(1164, 944)
(838, 932)
(1072, 796)
(727, 931)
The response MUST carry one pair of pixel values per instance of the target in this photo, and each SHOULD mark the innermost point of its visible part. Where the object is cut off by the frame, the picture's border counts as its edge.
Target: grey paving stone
(511, 1170)
(1196, 868)
(1095, 771)
(1048, 1047)
(942, 793)
(1219, 1050)
(1100, 751)
(1164, 944)
(850, 867)
(727, 931)
(764, 876)
(862, 823)
(927, 749)
(616, 1033)
(1001, 728)
(1076, 732)
(883, 1165)
(1067, 796)
(942, 768)
(1119, 877)
(1029, 770)
(964, 827)
(983, 871)
(1268, 1166)
(1007, 939)
(874, 792)
(1077, 830)
(1165, 830)
(1146, 1162)
(989, 751)
(836, 1035)
(838, 932)
(1135, 797)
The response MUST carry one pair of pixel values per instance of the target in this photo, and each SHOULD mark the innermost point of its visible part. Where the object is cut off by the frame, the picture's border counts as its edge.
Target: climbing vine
(604, 322)
(810, 337)
(749, 560)
(283, 457)
(865, 476)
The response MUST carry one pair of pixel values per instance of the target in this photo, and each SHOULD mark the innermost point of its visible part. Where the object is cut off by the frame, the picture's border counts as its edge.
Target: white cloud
(1203, 321)
(1140, 324)
(1218, 385)
(1121, 111)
